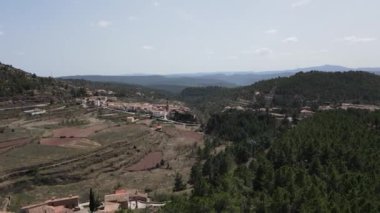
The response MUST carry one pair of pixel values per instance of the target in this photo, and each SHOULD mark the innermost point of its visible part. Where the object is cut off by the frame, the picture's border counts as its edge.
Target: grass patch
(33, 154)
(14, 133)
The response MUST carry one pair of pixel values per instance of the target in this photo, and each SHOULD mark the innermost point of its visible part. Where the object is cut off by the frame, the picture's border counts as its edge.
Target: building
(128, 199)
(158, 114)
(325, 107)
(35, 112)
(278, 115)
(112, 202)
(306, 113)
(60, 205)
(371, 108)
(130, 119)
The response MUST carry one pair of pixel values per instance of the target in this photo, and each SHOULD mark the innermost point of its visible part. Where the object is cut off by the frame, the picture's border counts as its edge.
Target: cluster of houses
(163, 111)
(306, 111)
(128, 199)
(156, 110)
(94, 101)
(346, 106)
(276, 112)
(121, 199)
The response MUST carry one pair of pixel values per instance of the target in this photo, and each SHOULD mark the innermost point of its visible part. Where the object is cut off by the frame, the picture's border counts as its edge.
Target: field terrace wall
(60, 205)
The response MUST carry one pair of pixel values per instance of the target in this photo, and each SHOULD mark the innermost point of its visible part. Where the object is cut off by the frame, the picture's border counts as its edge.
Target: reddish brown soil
(77, 132)
(148, 162)
(6, 145)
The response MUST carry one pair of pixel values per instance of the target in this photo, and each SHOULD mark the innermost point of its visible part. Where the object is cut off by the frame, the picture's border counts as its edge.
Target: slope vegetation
(298, 90)
(324, 86)
(328, 163)
(14, 82)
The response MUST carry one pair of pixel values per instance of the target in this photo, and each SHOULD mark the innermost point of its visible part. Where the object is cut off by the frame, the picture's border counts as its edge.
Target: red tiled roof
(121, 197)
(120, 191)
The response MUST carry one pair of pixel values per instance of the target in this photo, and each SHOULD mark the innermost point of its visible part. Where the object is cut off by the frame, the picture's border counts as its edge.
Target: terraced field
(37, 171)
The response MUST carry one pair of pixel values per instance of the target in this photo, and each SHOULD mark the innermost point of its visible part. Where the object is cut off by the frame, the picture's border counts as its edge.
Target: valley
(189, 106)
(191, 148)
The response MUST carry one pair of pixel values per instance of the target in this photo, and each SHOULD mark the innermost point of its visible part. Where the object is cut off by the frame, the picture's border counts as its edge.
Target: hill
(121, 89)
(250, 77)
(175, 83)
(15, 82)
(328, 163)
(301, 89)
(241, 78)
(18, 84)
(352, 86)
(172, 84)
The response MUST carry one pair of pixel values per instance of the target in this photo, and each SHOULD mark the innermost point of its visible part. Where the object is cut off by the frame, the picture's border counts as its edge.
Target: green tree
(94, 203)
(178, 183)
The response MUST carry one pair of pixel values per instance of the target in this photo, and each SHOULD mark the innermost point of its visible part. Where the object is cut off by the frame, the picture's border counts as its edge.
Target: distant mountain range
(177, 82)
(249, 77)
(19, 84)
(170, 83)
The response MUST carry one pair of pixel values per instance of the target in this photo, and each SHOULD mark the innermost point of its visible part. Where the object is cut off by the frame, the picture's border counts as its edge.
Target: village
(120, 199)
(169, 112)
(136, 147)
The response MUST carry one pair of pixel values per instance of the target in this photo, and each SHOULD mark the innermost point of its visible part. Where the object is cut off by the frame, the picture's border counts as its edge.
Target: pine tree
(92, 204)
(178, 184)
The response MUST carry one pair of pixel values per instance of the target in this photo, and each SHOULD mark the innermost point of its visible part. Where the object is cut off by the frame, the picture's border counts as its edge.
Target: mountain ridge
(177, 82)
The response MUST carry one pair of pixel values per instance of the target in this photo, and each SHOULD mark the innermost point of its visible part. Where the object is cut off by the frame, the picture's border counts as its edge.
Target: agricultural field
(53, 156)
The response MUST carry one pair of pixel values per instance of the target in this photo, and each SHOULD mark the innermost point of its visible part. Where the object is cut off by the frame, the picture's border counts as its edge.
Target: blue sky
(71, 37)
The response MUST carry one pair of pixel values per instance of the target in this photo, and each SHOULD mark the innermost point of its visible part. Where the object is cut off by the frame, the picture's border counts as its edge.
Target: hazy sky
(70, 37)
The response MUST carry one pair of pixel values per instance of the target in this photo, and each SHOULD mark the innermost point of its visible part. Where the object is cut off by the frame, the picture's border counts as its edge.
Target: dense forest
(353, 86)
(327, 163)
(206, 100)
(301, 89)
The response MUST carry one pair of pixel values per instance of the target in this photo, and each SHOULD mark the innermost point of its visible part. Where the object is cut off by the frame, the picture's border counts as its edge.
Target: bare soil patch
(148, 162)
(78, 132)
(185, 136)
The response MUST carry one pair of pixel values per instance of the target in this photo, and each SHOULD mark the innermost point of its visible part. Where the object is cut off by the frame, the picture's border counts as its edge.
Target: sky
(117, 37)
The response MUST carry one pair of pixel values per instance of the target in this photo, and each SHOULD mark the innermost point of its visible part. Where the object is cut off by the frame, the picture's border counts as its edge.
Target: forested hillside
(120, 89)
(328, 163)
(240, 125)
(206, 100)
(15, 82)
(353, 86)
(301, 89)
